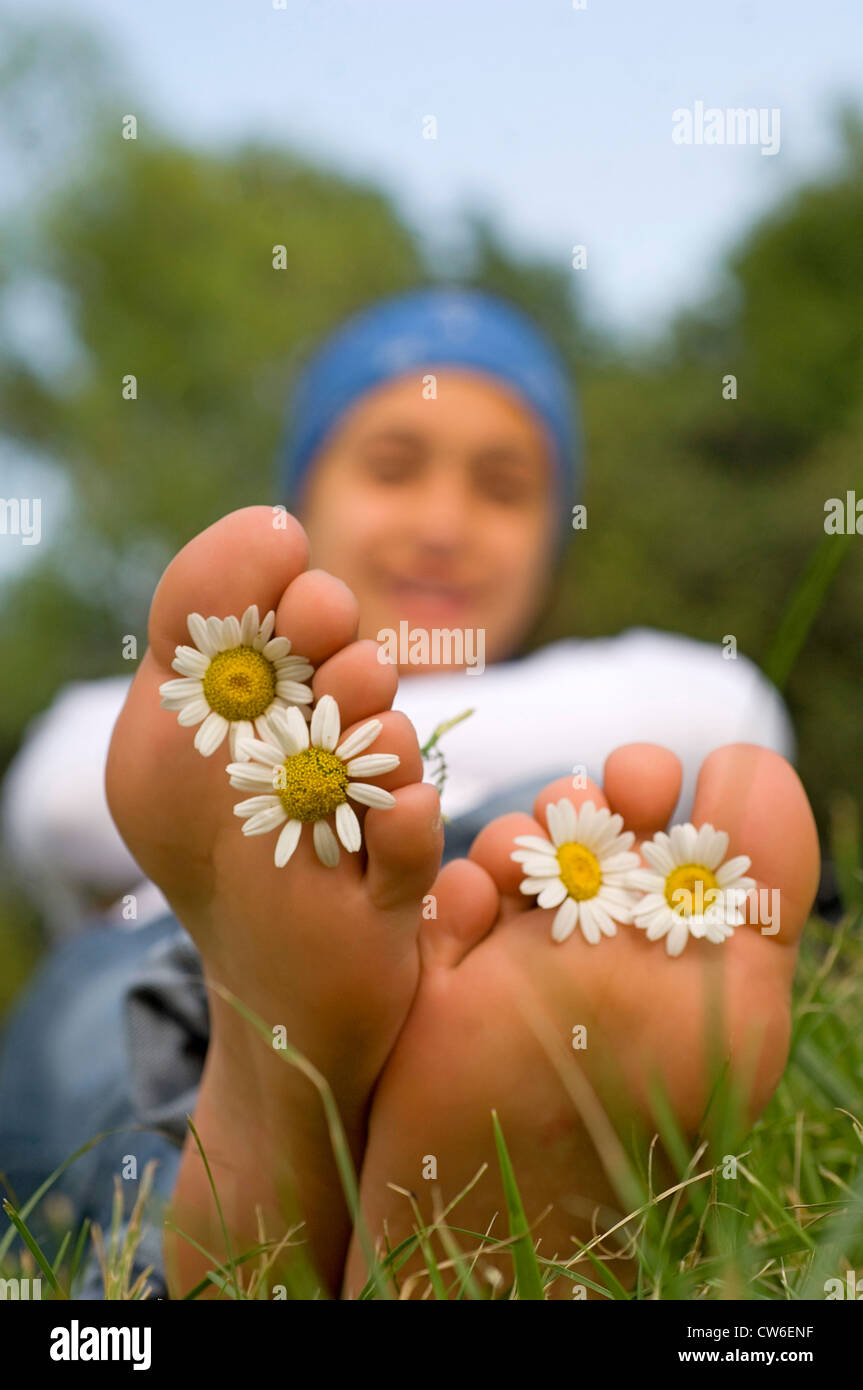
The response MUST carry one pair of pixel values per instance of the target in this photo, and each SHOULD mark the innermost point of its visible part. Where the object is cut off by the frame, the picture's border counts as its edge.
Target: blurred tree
(160, 261)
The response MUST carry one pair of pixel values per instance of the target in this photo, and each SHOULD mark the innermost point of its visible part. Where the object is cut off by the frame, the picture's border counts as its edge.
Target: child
(432, 464)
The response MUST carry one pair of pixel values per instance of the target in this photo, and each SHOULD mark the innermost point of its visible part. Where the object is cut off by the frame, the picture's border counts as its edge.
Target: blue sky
(554, 121)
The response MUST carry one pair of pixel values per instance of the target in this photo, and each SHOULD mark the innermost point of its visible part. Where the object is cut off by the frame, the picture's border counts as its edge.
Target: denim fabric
(112, 1034)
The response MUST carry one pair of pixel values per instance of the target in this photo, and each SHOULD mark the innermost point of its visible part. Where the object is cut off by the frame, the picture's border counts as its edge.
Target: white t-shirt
(566, 706)
(573, 702)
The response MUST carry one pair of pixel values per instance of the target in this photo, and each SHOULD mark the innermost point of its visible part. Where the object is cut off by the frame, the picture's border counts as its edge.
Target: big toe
(242, 559)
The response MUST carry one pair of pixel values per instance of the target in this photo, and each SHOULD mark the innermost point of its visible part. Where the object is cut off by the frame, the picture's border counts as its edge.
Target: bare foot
(495, 1023)
(329, 954)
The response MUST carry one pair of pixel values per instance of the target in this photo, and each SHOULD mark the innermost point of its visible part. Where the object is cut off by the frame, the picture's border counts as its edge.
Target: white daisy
(688, 890)
(235, 675)
(581, 871)
(300, 777)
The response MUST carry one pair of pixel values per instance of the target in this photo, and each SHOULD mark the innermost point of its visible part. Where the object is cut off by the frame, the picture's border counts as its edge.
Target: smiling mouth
(430, 591)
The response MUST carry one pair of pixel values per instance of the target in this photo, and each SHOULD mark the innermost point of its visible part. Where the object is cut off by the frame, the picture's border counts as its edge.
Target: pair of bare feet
(422, 1025)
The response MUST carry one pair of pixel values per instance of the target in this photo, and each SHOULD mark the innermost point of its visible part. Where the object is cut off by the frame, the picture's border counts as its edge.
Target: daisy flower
(688, 890)
(581, 871)
(300, 776)
(235, 675)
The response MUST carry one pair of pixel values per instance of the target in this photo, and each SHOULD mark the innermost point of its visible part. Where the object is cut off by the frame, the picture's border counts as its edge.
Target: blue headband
(420, 330)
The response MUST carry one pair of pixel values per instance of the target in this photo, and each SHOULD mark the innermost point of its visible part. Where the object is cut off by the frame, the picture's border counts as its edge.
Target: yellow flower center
(240, 683)
(695, 884)
(580, 873)
(311, 784)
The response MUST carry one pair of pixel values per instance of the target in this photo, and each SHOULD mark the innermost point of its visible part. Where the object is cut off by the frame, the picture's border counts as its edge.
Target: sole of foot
(329, 955)
(567, 1041)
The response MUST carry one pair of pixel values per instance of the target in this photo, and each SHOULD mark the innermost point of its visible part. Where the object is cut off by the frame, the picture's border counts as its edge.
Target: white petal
(348, 827)
(677, 938)
(618, 863)
(288, 729)
(645, 881)
(190, 662)
(200, 634)
(683, 839)
(276, 648)
(652, 902)
(658, 854)
(705, 839)
(211, 733)
(565, 920)
(216, 634)
(536, 885)
(373, 764)
(266, 753)
(568, 817)
(295, 692)
(603, 917)
(265, 820)
(251, 777)
(368, 795)
(558, 823)
(241, 729)
(231, 632)
(538, 865)
(326, 844)
(266, 633)
(659, 925)
(359, 740)
(552, 895)
(618, 911)
(326, 723)
(588, 923)
(293, 667)
(297, 728)
(287, 842)
(249, 625)
(534, 842)
(254, 804)
(193, 713)
(617, 896)
(189, 685)
(733, 869)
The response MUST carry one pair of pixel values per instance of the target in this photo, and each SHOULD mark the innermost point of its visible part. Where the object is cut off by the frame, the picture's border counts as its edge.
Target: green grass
(774, 1224)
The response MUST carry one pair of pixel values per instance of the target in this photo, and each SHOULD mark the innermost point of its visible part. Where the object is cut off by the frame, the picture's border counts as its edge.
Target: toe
(358, 681)
(461, 910)
(493, 847)
(319, 614)
(571, 789)
(757, 797)
(242, 559)
(642, 784)
(404, 844)
(492, 852)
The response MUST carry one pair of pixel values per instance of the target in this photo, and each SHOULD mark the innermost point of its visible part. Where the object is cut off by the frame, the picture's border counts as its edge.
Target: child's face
(441, 512)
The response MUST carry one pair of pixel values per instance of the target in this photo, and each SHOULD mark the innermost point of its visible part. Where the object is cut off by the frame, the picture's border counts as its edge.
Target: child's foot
(329, 954)
(496, 1022)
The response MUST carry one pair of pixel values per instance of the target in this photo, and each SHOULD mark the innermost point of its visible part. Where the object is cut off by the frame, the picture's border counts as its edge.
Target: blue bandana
(419, 331)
